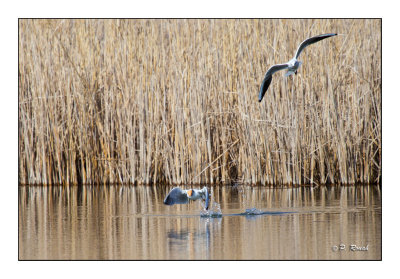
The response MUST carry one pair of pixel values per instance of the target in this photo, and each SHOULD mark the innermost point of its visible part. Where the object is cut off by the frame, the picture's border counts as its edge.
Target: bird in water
(180, 196)
(292, 65)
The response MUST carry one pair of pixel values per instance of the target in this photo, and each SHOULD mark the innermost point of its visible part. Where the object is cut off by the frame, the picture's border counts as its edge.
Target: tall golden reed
(175, 101)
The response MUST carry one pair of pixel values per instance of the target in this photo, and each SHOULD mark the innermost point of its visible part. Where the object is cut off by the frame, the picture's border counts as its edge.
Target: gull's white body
(291, 66)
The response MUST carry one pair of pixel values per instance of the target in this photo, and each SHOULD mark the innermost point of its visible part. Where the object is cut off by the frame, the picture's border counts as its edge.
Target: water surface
(250, 223)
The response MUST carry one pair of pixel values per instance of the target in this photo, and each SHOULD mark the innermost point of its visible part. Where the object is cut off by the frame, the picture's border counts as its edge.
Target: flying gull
(292, 65)
(180, 196)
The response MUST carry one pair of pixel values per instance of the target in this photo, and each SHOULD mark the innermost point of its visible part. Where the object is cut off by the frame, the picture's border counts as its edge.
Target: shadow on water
(126, 222)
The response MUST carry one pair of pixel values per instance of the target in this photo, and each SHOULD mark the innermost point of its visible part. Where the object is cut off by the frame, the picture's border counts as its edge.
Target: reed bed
(176, 101)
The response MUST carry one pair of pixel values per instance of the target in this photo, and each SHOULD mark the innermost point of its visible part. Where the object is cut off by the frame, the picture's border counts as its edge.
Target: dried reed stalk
(175, 101)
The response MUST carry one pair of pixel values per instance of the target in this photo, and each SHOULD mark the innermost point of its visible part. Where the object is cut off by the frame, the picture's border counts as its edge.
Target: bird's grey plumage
(180, 196)
(311, 41)
(291, 66)
(176, 196)
(268, 78)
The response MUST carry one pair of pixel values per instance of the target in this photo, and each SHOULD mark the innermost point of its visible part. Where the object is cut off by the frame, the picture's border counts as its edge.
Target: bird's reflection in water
(178, 235)
(185, 238)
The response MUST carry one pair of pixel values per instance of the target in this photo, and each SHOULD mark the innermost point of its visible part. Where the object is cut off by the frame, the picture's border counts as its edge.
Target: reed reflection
(121, 222)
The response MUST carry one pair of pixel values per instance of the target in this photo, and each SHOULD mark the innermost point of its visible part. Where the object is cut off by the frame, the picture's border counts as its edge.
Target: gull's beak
(190, 192)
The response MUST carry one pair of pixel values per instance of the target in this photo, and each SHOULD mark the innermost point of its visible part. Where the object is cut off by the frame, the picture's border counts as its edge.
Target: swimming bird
(292, 65)
(180, 196)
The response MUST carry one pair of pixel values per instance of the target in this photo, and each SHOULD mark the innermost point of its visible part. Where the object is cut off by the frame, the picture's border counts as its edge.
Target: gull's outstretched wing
(311, 41)
(176, 196)
(268, 78)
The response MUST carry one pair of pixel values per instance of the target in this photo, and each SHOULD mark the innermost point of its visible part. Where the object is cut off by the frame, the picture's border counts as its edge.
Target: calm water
(121, 222)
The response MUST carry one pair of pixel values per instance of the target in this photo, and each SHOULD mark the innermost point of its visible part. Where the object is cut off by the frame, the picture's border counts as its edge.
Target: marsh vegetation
(175, 101)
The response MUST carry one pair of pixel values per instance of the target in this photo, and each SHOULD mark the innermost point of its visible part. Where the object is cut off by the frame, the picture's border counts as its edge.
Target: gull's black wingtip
(327, 35)
(260, 97)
